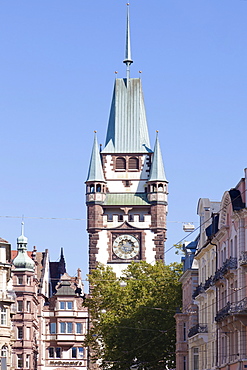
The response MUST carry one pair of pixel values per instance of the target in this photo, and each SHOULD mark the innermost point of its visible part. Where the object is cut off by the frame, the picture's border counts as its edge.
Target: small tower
(25, 322)
(157, 196)
(126, 215)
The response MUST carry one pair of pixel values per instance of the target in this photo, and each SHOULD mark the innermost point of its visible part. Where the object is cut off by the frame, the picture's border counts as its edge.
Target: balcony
(239, 307)
(223, 313)
(230, 264)
(7, 296)
(208, 283)
(198, 329)
(199, 289)
(243, 259)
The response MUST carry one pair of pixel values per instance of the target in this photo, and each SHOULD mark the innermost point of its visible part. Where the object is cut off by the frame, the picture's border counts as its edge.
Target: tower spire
(128, 61)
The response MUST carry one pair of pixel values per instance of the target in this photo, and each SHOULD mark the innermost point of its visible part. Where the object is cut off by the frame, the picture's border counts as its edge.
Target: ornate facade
(50, 322)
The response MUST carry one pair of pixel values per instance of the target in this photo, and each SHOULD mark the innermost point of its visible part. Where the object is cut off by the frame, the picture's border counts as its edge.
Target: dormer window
(120, 163)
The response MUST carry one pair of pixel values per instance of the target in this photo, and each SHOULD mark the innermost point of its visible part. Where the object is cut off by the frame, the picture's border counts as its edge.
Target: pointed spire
(128, 61)
(157, 172)
(61, 263)
(22, 239)
(95, 172)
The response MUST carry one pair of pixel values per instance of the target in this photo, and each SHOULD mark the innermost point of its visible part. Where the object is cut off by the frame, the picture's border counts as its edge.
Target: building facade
(7, 306)
(50, 322)
(126, 187)
(219, 338)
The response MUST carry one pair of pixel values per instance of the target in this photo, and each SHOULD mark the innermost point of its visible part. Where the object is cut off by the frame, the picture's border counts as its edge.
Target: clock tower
(126, 186)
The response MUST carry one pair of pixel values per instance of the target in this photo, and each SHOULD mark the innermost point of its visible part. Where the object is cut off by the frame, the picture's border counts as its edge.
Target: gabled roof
(157, 172)
(95, 172)
(127, 128)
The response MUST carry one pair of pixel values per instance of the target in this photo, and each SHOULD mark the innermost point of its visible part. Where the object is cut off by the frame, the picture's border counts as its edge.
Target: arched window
(98, 188)
(160, 187)
(92, 188)
(133, 163)
(120, 163)
(4, 351)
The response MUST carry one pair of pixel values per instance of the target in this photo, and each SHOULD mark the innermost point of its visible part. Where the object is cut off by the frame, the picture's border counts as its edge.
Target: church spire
(128, 61)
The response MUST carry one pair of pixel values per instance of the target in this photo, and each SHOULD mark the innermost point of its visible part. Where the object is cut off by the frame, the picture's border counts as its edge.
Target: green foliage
(134, 324)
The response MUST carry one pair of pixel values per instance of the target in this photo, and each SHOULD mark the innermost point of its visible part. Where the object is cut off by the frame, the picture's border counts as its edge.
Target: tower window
(91, 188)
(98, 188)
(160, 187)
(133, 163)
(120, 163)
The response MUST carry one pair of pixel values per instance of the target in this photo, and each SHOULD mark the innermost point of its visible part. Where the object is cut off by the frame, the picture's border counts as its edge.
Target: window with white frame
(20, 280)
(19, 332)
(53, 328)
(3, 315)
(28, 333)
(78, 328)
(63, 305)
(4, 351)
(19, 306)
(20, 361)
(54, 352)
(195, 358)
(77, 352)
(66, 327)
(28, 305)
(27, 363)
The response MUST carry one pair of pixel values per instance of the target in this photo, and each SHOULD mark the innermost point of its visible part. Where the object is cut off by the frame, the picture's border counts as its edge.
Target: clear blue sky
(57, 64)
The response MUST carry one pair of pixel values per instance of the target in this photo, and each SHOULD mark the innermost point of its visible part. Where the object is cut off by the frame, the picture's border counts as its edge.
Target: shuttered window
(120, 163)
(133, 163)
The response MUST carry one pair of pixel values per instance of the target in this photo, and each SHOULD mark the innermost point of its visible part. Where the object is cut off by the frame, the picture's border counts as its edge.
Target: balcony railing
(199, 289)
(208, 283)
(239, 307)
(243, 258)
(197, 329)
(230, 264)
(224, 312)
(7, 295)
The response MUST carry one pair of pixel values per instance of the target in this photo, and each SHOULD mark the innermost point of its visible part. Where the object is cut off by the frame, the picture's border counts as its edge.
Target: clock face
(126, 246)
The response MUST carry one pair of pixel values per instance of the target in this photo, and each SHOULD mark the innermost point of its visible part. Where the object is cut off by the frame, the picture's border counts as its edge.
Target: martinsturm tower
(126, 187)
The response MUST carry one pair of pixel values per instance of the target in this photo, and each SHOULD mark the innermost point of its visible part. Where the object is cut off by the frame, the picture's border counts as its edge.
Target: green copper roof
(157, 172)
(126, 199)
(95, 172)
(127, 128)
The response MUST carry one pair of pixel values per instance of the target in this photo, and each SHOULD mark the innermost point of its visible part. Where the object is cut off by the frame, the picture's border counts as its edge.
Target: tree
(133, 326)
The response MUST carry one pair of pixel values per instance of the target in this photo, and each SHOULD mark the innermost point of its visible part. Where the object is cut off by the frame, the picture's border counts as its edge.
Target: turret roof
(157, 172)
(95, 172)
